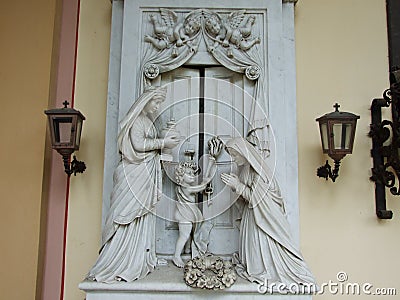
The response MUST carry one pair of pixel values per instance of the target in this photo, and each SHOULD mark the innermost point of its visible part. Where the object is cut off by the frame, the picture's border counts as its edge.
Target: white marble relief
(171, 32)
(233, 30)
(230, 38)
(188, 215)
(209, 272)
(267, 251)
(128, 237)
(248, 42)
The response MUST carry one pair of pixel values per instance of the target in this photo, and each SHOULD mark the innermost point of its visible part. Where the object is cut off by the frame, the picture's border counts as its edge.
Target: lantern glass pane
(348, 135)
(78, 133)
(342, 135)
(62, 130)
(324, 136)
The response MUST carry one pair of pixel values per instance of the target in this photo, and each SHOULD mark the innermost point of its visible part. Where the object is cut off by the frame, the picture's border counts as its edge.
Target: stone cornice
(283, 1)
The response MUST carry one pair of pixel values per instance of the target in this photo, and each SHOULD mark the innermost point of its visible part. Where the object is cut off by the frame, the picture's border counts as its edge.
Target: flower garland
(209, 272)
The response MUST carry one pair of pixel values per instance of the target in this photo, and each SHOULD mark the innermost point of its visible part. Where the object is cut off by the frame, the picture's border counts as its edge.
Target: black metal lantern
(65, 130)
(337, 131)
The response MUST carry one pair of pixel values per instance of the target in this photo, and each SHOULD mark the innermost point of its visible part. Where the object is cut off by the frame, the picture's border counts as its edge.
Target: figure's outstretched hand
(215, 146)
(171, 142)
(230, 180)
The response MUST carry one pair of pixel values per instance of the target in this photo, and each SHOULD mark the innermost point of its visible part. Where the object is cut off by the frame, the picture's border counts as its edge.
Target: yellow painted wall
(26, 36)
(341, 53)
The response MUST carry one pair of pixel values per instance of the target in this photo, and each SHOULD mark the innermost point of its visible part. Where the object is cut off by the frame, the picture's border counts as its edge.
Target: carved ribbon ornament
(227, 38)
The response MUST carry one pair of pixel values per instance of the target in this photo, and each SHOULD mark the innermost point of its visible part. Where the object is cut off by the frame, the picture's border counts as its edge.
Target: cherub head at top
(213, 25)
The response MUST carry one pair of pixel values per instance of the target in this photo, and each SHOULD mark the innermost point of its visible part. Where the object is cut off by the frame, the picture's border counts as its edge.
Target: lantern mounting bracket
(326, 171)
(73, 167)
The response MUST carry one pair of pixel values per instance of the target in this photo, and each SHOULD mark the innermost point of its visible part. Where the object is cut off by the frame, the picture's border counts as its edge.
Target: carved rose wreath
(209, 272)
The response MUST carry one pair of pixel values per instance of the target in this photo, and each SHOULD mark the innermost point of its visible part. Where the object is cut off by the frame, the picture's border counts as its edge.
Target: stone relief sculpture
(231, 38)
(209, 272)
(214, 29)
(234, 30)
(128, 238)
(231, 30)
(171, 32)
(187, 214)
(266, 250)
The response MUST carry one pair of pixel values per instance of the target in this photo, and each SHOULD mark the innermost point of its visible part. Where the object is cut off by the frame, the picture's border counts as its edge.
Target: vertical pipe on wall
(393, 25)
(378, 160)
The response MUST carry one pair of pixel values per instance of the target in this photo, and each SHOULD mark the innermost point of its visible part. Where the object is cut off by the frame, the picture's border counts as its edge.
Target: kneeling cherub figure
(187, 214)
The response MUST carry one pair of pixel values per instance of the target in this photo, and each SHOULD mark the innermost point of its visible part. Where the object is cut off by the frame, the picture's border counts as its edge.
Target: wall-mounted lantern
(65, 130)
(337, 131)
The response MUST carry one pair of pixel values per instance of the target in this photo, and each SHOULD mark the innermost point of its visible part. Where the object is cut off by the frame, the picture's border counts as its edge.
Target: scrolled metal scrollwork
(381, 132)
(385, 136)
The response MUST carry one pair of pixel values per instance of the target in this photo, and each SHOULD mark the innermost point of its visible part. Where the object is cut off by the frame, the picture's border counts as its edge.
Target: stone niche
(257, 57)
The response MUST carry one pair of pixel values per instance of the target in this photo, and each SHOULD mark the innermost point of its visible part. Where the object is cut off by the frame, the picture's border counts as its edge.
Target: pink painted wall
(57, 185)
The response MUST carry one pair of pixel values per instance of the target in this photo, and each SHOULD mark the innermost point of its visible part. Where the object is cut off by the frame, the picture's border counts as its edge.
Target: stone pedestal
(166, 283)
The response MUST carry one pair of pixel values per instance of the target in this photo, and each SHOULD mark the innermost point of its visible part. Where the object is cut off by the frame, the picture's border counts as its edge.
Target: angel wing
(170, 18)
(235, 18)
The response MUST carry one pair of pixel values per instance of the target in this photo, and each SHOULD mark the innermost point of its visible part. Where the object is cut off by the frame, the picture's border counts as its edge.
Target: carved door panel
(224, 111)
(182, 105)
(203, 107)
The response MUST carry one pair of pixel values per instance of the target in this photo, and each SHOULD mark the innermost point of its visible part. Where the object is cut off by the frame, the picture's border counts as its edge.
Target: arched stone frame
(234, 46)
(125, 82)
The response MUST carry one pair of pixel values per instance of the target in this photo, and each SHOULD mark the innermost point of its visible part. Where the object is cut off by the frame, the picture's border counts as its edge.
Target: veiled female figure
(266, 249)
(128, 237)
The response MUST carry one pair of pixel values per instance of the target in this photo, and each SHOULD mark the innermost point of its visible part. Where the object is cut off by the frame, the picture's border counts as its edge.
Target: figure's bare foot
(177, 260)
(162, 262)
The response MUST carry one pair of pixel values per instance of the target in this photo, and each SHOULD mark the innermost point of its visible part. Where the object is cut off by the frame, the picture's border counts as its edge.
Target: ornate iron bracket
(327, 172)
(73, 167)
(386, 158)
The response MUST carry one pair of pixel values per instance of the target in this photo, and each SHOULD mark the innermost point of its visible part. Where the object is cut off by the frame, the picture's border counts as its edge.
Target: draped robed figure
(266, 250)
(128, 237)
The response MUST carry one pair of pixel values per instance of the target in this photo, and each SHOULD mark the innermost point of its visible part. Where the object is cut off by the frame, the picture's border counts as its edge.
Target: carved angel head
(213, 25)
(185, 173)
(192, 26)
